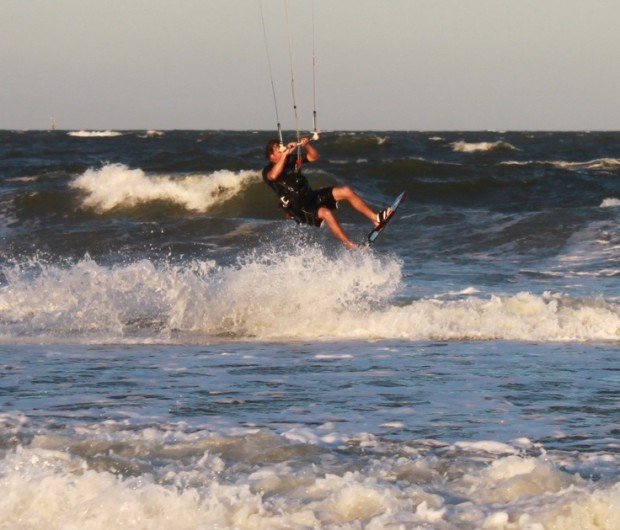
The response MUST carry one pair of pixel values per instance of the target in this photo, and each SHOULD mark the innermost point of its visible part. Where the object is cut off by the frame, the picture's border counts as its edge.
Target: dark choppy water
(175, 355)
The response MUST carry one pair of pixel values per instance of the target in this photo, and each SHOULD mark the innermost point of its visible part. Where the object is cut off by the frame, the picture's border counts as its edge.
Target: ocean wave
(517, 163)
(601, 164)
(598, 164)
(151, 133)
(112, 475)
(485, 147)
(610, 203)
(266, 296)
(95, 134)
(406, 167)
(420, 175)
(27, 179)
(355, 143)
(116, 185)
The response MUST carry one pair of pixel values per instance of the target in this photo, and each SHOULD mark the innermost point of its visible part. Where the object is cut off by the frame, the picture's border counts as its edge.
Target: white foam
(333, 356)
(512, 478)
(47, 492)
(487, 446)
(116, 185)
(308, 436)
(516, 163)
(429, 515)
(393, 425)
(495, 520)
(467, 291)
(523, 443)
(266, 296)
(610, 203)
(23, 179)
(598, 164)
(94, 134)
(603, 164)
(113, 476)
(465, 147)
(151, 133)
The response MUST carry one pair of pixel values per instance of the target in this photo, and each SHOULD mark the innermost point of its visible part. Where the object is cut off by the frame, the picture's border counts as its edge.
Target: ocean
(175, 354)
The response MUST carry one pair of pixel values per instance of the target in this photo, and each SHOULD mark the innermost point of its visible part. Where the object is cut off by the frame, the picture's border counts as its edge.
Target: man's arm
(311, 152)
(277, 169)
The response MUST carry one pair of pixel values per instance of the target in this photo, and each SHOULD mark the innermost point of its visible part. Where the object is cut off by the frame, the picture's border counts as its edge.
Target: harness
(292, 186)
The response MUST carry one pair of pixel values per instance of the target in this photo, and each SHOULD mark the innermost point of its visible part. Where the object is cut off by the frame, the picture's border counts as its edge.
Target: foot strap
(384, 215)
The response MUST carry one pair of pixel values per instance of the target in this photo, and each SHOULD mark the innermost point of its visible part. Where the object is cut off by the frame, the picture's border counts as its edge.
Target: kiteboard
(377, 230)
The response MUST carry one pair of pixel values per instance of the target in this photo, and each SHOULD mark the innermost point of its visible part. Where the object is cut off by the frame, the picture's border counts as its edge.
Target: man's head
(272, 147)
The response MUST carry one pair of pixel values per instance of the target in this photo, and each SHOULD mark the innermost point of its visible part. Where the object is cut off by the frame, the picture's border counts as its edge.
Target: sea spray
(268, 294)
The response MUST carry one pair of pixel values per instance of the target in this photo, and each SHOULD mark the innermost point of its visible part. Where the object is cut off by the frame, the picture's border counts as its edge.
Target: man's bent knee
(324, 213)
(343, 193)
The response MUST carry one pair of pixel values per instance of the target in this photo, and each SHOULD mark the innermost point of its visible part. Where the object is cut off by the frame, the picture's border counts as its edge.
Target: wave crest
(610, 203)
(357, 143)
(94, 134)
(485, 147)
(116, 185)
(600, 164)
(300, 294)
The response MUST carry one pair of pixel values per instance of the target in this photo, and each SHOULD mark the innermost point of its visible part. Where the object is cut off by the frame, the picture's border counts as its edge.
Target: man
(302, 203)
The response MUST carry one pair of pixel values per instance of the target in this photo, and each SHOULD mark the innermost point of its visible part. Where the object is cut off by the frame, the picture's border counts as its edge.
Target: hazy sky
(381, 64)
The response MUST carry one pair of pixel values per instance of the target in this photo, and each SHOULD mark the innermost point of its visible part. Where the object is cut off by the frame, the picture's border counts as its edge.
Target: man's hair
(269, 147)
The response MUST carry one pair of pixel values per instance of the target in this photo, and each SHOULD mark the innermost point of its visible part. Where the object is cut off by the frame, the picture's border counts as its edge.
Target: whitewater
(264, 296)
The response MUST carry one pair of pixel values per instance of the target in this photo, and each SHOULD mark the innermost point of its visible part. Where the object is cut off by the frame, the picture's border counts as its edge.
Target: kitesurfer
(299, 201)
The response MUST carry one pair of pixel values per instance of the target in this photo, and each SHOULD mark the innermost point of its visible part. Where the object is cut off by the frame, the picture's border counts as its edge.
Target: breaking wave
(95, 134)
(116, 185)
(269, 294)
(601, 164)
(152, 133)
(609, 165)
(610, 203)
(482, 147)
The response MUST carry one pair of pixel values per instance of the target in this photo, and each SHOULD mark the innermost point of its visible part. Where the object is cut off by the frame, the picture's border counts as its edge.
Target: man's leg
(345, 193)
(325, 214)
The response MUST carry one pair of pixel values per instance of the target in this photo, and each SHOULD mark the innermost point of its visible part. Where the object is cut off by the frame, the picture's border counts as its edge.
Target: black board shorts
(306, 212)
